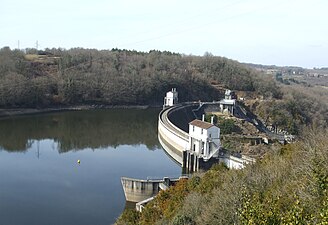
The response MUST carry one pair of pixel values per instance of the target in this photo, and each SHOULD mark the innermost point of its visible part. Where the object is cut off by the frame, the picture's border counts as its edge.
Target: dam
(191, 141)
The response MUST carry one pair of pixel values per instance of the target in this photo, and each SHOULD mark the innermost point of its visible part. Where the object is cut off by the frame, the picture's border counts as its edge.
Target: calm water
(41, 181)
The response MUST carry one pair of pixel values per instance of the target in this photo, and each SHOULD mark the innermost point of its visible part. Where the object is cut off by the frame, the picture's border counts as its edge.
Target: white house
(171, 98)
(204, 139)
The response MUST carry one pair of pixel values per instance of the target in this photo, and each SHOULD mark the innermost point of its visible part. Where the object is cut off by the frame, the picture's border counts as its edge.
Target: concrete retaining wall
(138, 190)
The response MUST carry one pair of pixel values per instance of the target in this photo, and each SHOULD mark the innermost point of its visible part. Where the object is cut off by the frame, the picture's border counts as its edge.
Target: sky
(270, 32)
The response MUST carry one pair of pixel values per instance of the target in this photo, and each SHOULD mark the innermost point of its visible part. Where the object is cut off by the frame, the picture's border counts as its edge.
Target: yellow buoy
(78, 161)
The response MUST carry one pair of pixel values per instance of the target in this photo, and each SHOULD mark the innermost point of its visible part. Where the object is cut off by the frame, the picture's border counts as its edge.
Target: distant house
(171, 98)
(204, 139)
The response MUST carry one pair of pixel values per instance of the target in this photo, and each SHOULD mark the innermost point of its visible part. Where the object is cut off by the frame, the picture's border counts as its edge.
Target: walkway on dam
(175, 124)
(170, 126)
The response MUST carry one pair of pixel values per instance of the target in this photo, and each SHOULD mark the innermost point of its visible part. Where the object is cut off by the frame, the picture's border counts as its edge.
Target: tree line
(56, 77)
(118, 77)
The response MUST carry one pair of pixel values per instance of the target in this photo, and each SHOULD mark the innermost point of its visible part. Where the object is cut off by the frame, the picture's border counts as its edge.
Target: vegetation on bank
(227, 126)
(301, 106)
(289, 186)
(118, 77)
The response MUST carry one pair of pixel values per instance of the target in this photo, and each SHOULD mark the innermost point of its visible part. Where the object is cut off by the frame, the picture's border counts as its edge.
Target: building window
(201, 131)
(210, 135)
(203, 146)
(193, 128)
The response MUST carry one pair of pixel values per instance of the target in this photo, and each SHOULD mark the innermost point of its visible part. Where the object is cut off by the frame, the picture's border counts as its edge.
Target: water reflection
(43, 186)
(83, 129)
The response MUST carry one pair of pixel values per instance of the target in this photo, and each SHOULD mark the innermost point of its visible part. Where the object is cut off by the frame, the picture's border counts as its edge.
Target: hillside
(59, 78)
(118, 77)
(288, 186)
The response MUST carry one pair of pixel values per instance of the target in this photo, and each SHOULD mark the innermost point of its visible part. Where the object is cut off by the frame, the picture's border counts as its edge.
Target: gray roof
(201, 124)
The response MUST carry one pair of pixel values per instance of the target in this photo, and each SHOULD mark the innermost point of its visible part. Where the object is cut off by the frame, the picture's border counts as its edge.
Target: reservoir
(41, 181)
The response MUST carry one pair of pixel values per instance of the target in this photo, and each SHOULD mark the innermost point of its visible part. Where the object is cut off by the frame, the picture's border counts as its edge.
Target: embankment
(8, 112)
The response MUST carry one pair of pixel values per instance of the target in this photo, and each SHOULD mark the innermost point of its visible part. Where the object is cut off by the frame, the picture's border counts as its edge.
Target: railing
(180, 133)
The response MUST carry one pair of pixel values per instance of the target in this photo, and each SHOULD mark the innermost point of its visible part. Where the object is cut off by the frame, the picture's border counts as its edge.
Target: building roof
(201, 124)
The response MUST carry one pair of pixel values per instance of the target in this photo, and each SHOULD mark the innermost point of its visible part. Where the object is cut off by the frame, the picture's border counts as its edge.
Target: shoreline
(11, 112)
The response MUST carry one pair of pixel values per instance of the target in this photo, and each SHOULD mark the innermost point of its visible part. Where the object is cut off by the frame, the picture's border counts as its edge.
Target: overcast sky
(281, 32)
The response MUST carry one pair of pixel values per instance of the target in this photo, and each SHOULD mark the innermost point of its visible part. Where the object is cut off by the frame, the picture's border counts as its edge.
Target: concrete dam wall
(182, 116)
(173, 127)
(174, 137)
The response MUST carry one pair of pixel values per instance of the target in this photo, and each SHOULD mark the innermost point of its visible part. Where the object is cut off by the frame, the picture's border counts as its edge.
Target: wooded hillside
(118, 77)
(57, 77)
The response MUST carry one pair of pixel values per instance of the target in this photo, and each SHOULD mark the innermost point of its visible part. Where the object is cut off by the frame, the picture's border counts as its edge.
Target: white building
(228, 94)
(227, 105)
(204, 139)
(171, 98)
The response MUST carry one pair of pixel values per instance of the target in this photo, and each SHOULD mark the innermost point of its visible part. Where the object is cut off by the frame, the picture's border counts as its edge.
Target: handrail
(179, 131)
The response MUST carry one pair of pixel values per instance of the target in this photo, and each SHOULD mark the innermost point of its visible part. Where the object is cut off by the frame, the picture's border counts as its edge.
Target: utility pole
(37, 45)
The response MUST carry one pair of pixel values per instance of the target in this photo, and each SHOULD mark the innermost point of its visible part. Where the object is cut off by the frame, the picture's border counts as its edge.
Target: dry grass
(31, 57)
